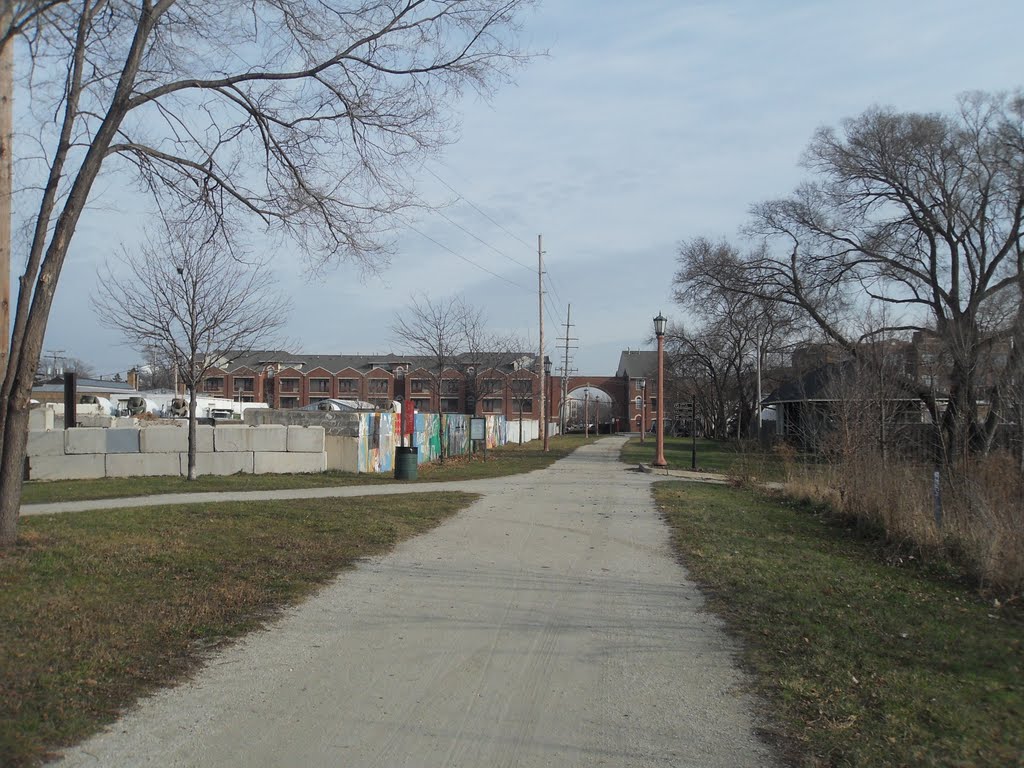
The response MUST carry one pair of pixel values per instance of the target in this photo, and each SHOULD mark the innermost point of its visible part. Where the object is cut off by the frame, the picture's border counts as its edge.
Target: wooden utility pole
(540, 360)
(565, 369)
(6, 178)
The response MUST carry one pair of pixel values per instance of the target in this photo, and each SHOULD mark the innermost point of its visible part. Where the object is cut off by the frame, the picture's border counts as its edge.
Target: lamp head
(659, 325)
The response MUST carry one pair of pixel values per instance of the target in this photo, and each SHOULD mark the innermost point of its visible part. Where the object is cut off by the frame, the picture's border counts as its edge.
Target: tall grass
(976, 521)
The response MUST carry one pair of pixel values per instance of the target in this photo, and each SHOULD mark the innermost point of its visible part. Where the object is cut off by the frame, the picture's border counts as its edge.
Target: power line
(460, 256)
(477, 208)
(482, 241)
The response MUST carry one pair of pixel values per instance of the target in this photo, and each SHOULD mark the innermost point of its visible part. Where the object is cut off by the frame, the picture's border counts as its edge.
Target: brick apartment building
(287, 380)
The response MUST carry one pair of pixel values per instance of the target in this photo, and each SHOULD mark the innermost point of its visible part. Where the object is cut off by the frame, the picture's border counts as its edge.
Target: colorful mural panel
(379, 434)
(377, 442)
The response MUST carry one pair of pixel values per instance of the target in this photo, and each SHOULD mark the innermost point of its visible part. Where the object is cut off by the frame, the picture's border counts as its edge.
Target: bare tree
(435, 330)
(918, 212)
(183, 299)
(302, 115)
(738, 333)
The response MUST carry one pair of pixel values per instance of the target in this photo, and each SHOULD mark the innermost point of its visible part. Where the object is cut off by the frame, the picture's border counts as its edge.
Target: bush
(981, 524)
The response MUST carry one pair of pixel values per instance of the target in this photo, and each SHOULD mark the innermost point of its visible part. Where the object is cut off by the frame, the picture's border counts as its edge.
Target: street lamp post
(643, 408)
(544, 416)
(586, 413)
(659, 452)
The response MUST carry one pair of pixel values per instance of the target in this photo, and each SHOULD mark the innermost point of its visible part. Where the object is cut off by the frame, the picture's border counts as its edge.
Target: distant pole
(6, 179)
(693, 432)
(759, 385)
(565, 371)
(659, 452)
(643, 408)
(540, 365)
(586, 413)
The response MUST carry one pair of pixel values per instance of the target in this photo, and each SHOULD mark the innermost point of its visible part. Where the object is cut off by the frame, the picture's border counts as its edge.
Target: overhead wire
(463, 258)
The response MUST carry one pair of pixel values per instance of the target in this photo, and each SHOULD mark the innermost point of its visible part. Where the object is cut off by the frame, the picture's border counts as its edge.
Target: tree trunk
(192, 432)
(12, 467)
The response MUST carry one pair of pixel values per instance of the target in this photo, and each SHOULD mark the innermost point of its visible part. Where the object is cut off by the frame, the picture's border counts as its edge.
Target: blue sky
(648, 122)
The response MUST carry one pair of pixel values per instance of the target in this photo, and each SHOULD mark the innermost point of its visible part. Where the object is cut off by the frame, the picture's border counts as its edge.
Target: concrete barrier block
(279, 462)
(204, 438)
(122, 440)
(305, 439)
(45, 443)
(232, 439)
(40, 419)
(85, 440)
(270, 437)
(86, 466)
(222, 463)
(142, 464)
(95, 420)
(164, 439)
(124, 422)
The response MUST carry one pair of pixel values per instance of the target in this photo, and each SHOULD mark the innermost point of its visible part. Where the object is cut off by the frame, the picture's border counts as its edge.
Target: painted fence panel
(378, 436)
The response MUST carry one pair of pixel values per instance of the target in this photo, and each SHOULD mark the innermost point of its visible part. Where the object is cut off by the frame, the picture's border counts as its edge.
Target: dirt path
(548, 624)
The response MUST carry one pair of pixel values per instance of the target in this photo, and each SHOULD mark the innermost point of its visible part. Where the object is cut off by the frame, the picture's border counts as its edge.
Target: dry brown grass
(981, 528)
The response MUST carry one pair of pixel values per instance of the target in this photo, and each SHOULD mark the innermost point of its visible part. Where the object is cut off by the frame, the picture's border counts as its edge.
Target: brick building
(287, 380)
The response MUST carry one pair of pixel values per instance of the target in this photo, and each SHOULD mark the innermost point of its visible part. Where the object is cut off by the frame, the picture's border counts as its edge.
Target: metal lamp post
(643, 408)
(586, 413)
(544, 417)
(659, 452)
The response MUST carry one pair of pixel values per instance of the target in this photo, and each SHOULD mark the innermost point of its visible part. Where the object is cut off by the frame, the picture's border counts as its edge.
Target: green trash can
(406, 462)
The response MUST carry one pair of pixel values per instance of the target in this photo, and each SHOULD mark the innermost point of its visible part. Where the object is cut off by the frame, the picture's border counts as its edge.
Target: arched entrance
(589, 409)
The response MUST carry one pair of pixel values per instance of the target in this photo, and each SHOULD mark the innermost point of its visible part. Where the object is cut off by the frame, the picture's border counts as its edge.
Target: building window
(244, 384)
(419, 386)
(522, 386)
(321, 386)
(450, 386)
(523, 406)
(639, 403)
(421, 403)
(449, 405)
(315, 400)
(289, 402)
(492, 405)
(288, 385)
(490, 385)
(349, 386)
(377, 386)
(214, 384)
(380, 402)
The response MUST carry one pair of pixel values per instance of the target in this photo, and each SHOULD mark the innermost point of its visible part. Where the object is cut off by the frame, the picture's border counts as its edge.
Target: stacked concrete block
(142, 464)
(40, 419)
(164, 439)
(305, 439)
(86, 466)
(270, 438)
(45, 444)
(267, 462)
(224, 463)
(163, 450)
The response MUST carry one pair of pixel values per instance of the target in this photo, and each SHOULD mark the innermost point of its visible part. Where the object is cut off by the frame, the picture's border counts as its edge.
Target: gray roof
(637, 363)
(259, 359)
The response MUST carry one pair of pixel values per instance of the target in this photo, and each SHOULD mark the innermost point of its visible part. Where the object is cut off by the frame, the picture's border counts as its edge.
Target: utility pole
(540, 360)
(565, 368)
(6, 178)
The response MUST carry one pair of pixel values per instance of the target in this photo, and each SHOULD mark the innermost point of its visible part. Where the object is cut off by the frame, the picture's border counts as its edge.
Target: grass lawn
(507, 460)
(865, 657)
(725, 456)
(99, 608)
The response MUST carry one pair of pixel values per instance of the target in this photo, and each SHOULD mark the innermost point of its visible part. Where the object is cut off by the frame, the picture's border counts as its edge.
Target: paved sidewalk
(548, 624)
